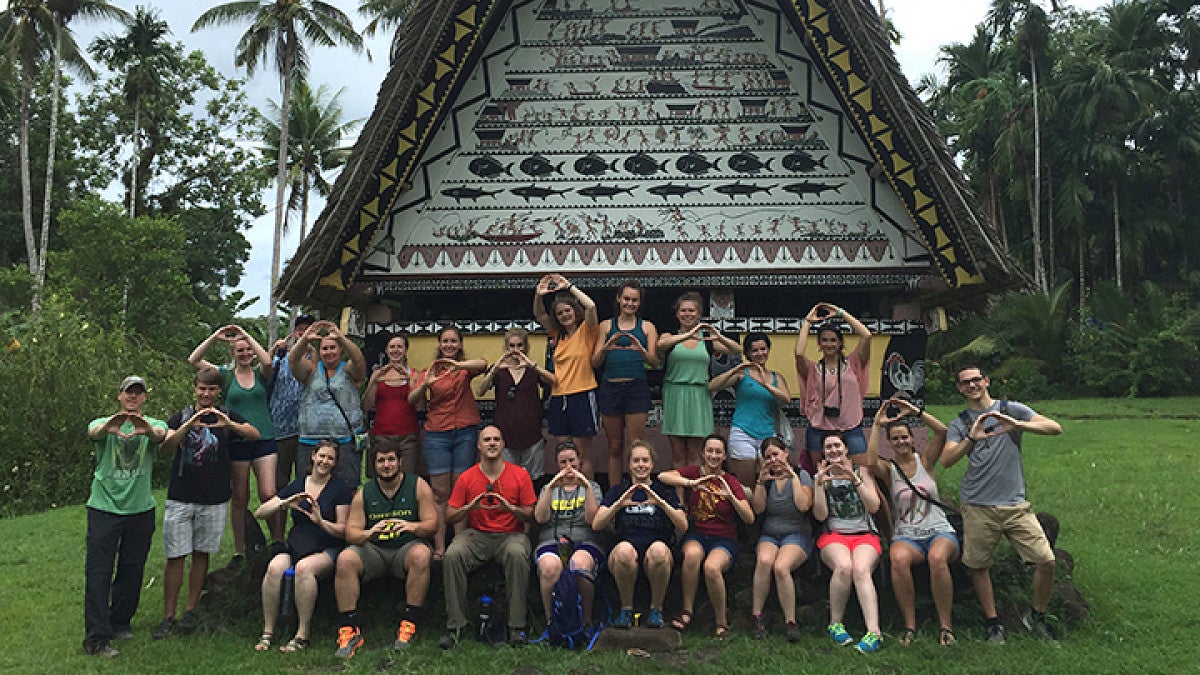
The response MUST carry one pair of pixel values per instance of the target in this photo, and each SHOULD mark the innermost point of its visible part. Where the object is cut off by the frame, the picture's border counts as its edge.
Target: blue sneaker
(838, 632)
(624, 619)
(869, 643)
(654, 619)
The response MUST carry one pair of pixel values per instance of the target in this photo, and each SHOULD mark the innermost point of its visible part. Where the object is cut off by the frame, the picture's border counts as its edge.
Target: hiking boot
(188, 623)
(517, 637)
(165, 629)
(349, 639)
(404, 634)
(101, 649)
(451, 639)
(654, 619)
(1035, 623)
(869, 643)
(760, 627)
(994, 633)
(838, 632)
(792, 630)
(624, 619)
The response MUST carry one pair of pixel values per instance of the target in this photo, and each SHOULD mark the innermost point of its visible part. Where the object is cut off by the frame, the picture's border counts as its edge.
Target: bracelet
(840, 312)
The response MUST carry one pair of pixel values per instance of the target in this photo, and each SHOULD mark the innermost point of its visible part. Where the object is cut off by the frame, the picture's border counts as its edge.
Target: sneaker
(451, 639)
(404, 634)
(188, 623)
(624, 619)
(165, 629)
(1036, 624)
(654, 618)
(993, 633)
(517, 637)
(760, 627)
(349, 639)
(838, 632)
(869, 643)
(103, 650)
(122, 633)
(792, 631)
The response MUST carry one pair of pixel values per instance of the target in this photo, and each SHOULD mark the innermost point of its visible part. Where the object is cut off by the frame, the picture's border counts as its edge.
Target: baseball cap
(131, 381)
(304, 320)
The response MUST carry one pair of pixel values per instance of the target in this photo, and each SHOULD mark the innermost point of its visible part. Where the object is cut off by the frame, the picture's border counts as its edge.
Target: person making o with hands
(451, 420)
(320, 505)
(921, 533)
(387, 393)
(565, 510)
(781, 500)
(646, 516)
(330, 406)
(629, 345)
(518, 382)
(759, 393)
(687, 403)
(572, 326)
(716, 499)
(244, 389)
(849, 545)
(834, 384)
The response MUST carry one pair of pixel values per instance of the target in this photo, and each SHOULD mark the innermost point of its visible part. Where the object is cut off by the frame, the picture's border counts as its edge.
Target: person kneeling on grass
(392, 517)
(198, 494)
(849, 546)
(320, 505)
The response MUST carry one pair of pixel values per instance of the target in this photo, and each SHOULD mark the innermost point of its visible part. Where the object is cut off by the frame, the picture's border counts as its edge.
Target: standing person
(921, 532)
(781, 499)
(120, 517)
(495, 499)
(286, 392)
(320, 505)
(687, 403)
(716, 501)
(387, 394)
(391, 519)
(518, 382)
(330, 406)
(451, 421)
(759, 393)
(628, 344)
(646, 516)
(198, 494)
(844, 501)
(244, 390)
(573, 330)
(989, 433)
(565, 509)
(834, 384)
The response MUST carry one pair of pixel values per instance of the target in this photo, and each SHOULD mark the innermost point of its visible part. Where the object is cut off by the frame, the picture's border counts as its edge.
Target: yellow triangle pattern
(365, 219)
(940, 238)
(907, 178)
(385, 182)
(449, 55)
(854, 83)
(877, 125)
(461, 31)
(390, 169)
(468, 16)
(965, 279)
(333, 280)
(833, 46)
(350, 249)
(409, 133)
(371, 208)
(442, 69)
(422, 108)
(886, 139)
(921, 200)
(900, 164)
(863, 99)
(842, 60)
(427, 93)
(948, 252)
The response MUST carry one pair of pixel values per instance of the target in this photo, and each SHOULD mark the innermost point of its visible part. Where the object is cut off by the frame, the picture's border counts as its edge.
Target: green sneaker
(869, 643)
(838, 632)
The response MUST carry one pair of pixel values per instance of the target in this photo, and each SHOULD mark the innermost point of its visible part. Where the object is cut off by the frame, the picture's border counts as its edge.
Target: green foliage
(65, 374)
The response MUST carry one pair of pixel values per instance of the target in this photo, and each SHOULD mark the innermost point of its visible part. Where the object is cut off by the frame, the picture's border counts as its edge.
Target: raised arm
(302, 366)
(877, 466)
(539, 303)
(356, 364)
(806, 324)
(729, 378)
(222, 334)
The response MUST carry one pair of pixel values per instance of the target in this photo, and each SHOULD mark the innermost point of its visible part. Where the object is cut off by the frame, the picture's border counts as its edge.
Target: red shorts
(850, 541)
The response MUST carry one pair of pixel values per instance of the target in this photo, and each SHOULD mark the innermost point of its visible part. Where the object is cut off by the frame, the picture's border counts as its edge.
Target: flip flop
(722, 631)
(681, 622)
(906, 637)
(264, 643)
(947, 637)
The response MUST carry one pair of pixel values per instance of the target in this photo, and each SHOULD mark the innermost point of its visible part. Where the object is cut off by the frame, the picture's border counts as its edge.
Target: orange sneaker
(404, 634)
(349, 640)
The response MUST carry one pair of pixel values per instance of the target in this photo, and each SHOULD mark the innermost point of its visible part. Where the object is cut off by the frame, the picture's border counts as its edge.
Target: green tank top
(250, 403)
(402, 506)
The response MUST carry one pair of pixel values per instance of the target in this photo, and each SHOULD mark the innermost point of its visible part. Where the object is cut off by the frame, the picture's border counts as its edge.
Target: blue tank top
(755, 411)
(625, 364)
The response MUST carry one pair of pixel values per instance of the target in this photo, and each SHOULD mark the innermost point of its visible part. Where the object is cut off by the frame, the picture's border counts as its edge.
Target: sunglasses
(973, 380)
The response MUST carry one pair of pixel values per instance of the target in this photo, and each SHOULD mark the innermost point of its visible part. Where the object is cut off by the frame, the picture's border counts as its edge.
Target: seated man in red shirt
(496, 499)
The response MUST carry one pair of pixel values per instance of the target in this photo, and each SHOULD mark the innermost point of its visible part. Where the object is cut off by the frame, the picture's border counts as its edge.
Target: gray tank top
(320, 416)
(916, 518)
(780, 517)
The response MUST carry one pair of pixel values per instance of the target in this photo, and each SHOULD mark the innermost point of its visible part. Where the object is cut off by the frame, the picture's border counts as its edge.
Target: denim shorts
(450, 451)
(923, 545)
(709, 542)
(800, 539)
(856, 443)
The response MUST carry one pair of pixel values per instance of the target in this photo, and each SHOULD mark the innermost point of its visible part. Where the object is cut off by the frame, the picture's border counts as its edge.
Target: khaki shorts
(378, 561)
(984, 525)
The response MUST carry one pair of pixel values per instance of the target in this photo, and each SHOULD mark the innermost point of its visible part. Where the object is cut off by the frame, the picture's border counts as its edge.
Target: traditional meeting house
(766, 153)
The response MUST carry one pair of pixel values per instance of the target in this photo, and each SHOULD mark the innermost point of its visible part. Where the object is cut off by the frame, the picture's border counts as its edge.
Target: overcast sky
(924, 24)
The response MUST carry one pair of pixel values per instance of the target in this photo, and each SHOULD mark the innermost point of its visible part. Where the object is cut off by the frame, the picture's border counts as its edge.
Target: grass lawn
(1121, 479)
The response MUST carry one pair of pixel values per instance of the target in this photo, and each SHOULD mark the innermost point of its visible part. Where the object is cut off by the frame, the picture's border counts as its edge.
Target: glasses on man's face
(969, 381)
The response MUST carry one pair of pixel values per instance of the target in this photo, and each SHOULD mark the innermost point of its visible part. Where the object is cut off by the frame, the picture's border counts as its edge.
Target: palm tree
(278, 32)
(142, 52)
(385, 15)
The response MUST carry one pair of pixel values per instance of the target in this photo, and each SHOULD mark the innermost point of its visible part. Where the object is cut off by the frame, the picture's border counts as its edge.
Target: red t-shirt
(451, 403)
(513, 483)
(708, 512)
(394, 415)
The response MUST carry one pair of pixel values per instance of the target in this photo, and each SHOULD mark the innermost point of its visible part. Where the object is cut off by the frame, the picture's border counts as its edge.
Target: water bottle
(287, 596)
(485, 617)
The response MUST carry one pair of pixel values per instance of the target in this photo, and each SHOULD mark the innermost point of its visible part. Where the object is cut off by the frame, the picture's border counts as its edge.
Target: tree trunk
(1117, 233)
(31, 251)
(1039, 262)
(1050, 262)
(1082, 288)
(285, 70)
(55, 86)
(1039, 271)
(137, 157)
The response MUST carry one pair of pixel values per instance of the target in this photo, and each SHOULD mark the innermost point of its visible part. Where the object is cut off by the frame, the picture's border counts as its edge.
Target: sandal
(906, 637)
(722, 631)
(681, 622)
(264, 643)
(296, 644)
(947, 637)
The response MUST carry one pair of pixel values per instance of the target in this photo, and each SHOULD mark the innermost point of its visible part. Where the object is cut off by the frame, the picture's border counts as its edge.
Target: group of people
(304, 405)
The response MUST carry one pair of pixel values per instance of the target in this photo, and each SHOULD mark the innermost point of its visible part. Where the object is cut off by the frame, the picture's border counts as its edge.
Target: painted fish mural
(609, 191)
(748, 162)
(807, 187)
(488, 167)
(464, 192)
(673, 190)
(802, 162)
(644, 165)
(740, 189)
(530, 192)
(594, 165)
(695, 164)
(537, 165)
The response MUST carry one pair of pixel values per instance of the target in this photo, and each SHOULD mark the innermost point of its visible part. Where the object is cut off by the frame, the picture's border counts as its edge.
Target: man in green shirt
(120, 517)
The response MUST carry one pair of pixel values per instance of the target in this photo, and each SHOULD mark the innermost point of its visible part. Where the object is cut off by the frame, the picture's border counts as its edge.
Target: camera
(833, 411)
(892, 410)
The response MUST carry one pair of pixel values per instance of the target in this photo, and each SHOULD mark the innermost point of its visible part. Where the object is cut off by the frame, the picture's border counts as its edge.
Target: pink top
(821, 394)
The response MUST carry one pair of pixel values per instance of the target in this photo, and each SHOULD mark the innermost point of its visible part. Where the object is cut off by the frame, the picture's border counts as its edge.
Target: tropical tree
(278, 32)
(385, 15)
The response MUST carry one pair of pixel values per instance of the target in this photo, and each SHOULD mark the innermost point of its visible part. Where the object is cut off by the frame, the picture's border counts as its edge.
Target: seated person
(392, 517)
(715, 501)
(646, 517)
(565, 510)
(313, 543)
(849, 545)
(496, 500)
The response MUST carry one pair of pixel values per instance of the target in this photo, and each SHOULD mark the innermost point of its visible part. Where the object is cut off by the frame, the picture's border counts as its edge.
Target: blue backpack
(567, 627)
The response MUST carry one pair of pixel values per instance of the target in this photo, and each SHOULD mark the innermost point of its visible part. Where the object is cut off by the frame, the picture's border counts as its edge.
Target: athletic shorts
(572, 415)
(379, 562)
(742, 445)
(248, 451)
(193, 528)
(630, 397)
(850, 541)
(552, 549)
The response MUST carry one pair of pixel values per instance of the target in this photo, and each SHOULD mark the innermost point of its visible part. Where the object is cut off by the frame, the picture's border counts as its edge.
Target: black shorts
(629, 397)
